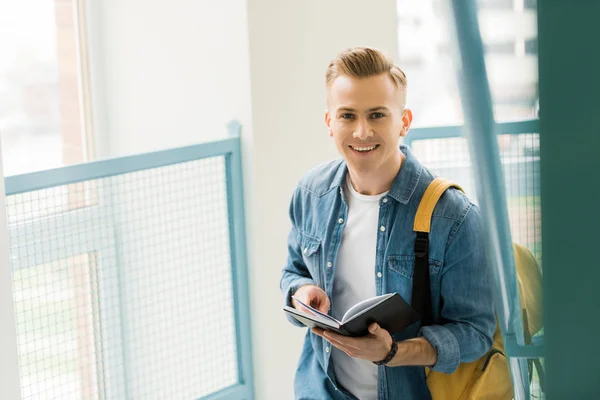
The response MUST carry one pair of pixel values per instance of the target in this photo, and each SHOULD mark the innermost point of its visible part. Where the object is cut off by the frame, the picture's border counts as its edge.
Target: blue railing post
(239, 264)
(483, 146)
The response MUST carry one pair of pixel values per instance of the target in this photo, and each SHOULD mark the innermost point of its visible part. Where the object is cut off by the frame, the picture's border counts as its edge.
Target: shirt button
(305, 250)
(327, 349)
(379, 274)
(329, 264)
(382, 228)
(385, 199)
(341, 220)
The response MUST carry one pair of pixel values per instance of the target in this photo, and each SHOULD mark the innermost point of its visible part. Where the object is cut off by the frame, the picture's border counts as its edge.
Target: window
(44, 123)
(509, 35)
(44, 107)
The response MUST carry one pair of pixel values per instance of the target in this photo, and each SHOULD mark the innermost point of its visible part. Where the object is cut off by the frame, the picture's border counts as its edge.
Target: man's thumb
(374, 328)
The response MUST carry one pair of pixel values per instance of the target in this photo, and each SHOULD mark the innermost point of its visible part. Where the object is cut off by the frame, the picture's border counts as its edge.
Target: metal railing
(130, 276)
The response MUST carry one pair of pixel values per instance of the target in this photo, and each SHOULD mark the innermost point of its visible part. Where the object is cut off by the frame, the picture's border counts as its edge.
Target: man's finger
(348, 342)
(332, 338)
(324, 305)
(318, 331)
(306, 310)
(339, 345)
(377, 331)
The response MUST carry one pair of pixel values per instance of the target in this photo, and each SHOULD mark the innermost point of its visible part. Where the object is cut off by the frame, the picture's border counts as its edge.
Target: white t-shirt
(354, 281)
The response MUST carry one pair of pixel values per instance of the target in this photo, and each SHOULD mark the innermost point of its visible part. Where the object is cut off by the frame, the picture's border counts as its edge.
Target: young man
(352, 239)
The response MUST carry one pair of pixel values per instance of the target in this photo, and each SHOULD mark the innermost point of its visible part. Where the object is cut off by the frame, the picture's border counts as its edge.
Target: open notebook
(390, 311)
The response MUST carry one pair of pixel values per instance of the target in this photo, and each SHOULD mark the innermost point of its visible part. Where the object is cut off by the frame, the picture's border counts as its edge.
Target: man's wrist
(390, 356)
(414, 352)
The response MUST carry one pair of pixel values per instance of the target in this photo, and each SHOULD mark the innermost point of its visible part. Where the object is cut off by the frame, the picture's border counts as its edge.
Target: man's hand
(373, 347)
(377, 345)
(313, 296)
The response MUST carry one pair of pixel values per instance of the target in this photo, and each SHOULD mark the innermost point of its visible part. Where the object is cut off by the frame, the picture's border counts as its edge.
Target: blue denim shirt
(463, 310)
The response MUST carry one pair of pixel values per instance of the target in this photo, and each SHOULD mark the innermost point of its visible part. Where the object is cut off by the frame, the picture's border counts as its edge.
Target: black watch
(390, 355)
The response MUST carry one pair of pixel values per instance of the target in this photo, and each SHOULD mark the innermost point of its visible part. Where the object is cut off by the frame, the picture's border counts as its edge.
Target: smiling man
(352, 238)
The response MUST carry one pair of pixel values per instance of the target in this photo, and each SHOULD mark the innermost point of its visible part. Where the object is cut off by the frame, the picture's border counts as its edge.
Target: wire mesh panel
(519, 155)
(123, 285)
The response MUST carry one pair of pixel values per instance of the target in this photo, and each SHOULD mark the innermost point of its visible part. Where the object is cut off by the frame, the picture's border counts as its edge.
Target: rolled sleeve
(294, 274)
(446, 345)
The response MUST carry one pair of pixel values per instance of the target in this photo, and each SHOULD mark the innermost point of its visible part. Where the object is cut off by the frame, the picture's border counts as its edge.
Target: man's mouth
(364, 149)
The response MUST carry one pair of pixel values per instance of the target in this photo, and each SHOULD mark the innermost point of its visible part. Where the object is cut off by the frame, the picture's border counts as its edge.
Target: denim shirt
(463, 311)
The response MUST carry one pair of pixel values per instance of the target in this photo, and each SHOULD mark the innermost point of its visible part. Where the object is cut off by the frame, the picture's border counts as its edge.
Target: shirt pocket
(400, 276)
(405, 265)
(311, 248)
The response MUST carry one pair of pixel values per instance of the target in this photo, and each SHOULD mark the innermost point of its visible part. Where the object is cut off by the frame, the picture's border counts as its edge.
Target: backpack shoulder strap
(434, 191)
(421, 292)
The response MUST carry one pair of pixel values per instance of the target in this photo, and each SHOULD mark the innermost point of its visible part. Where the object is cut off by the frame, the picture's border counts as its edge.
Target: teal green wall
(569, 64)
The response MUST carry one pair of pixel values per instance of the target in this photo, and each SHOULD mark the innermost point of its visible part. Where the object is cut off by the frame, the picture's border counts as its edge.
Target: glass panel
(509, 31)
(41, 124)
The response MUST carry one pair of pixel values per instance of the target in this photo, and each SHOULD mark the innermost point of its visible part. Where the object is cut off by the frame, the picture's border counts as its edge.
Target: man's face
(366, 117)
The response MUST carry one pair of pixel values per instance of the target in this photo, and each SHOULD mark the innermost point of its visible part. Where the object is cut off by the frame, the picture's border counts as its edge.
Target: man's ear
(406, 121)
(328, 122)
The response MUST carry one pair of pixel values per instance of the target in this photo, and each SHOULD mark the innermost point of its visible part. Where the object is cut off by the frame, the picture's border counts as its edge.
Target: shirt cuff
(297, 283)
(446, 345)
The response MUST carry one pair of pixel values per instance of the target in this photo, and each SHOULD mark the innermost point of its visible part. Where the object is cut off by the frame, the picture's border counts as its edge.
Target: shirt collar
(405, 182)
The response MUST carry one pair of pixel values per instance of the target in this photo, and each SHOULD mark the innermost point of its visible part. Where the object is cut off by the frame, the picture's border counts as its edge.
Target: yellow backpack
(489, 376)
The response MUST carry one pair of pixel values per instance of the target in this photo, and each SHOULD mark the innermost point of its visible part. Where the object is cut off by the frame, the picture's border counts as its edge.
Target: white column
(291, 44)
(10, 388)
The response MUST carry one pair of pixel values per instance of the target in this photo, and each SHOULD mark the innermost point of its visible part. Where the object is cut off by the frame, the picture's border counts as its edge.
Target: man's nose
(363, 130)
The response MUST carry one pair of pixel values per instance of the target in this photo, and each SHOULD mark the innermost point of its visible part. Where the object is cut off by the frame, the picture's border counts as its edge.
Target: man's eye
(377, 115)
(347, 116)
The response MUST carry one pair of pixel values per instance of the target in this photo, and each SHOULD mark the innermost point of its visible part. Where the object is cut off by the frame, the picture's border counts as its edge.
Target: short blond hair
(364, 62)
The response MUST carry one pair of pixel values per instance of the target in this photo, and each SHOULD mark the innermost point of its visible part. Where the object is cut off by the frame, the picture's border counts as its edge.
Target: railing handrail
(452, 131)
(60, 176)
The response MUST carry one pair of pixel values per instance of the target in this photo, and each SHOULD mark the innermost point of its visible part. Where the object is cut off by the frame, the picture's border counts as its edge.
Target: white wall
(170, 74)
(291, 44)
(10, 388)
(167, 74)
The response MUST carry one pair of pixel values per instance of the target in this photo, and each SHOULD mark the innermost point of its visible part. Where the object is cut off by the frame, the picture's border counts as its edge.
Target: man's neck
(379, 181)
